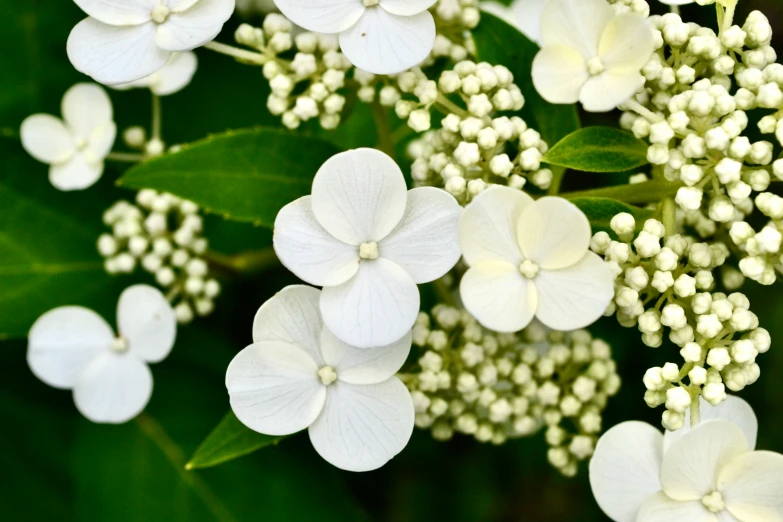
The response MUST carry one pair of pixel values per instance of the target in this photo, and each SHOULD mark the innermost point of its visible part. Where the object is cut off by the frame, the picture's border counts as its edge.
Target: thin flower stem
(642, 111)
(450, 106)
(647, 192)
(674, 9)
(251, 262)
(381, 118)
(157, 117)
(695, 411)
(728, 15)
(235, 52)
(668, 215)
(127, 157)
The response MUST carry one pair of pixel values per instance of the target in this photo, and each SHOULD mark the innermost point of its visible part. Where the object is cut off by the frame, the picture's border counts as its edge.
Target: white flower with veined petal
(72, 347)
(530, 259)
(525, 15)
(590, 54)
(76, 147)
(297, 375)
(125, 40)
(368, 241)
(379, 36)
(172, 78)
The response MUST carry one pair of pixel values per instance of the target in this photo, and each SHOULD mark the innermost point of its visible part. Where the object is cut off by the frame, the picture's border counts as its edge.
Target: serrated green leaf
(598, 149)
(247, 175)
(600, 212)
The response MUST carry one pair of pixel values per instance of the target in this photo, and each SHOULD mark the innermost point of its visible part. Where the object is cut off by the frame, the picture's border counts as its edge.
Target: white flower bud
(718, 358)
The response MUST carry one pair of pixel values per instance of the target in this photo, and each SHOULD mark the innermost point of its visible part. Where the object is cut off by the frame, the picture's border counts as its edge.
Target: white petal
(147, 321)
(177, 6)
(175, 75)
(660, 508)
(752, 486)
(359, 196)
(308, 250)
(374, 308)
(691, 465)
(62, 342)
(625, 467)
(362, 427)
(274, 388)
(113, 388)
(575, 23)
(496, 294)
(426, 242)
(627, 43)
(322, 16)
(559, 72)
(609, 89)
(487, 228)
(78, 173)
(364, 365)
(100, 142)
(112, 54)
(725, 516)
(385, 43)
(195, 26)
(553, 233)
(118, 12)
(574, 297)
(407, 7)
(46, 139)
(292, 316)
(86, 108)
(733, 409)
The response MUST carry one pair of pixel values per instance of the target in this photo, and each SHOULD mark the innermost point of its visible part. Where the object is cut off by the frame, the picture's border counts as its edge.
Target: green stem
(127, 157)
(557, 180)
(157, 118)
(235, 52)
(668, 215)
(695, 411)
(381, 118)
(450, 106)
(647, 192)
(250, 262)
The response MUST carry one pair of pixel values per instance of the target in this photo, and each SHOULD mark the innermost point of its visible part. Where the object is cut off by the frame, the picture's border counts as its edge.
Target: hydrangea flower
(378, 36)
(72, 347)
(590, 54)
(171, 78)
(525, 15)
(125, 40)
(530, 259)
(76, 146)
(297, 375)
(368, 241)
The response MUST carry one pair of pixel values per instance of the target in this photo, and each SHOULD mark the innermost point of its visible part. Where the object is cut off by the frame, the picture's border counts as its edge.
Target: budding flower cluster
(163, 234)
(494, 386)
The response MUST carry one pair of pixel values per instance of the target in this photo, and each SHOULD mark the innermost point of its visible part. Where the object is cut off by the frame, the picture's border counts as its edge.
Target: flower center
(119, 345)
(159, 14)
(528, 269)
(369, 250)
(370, 3)
(327, 375)
(80, 143)
(595, 66)
(714, 502)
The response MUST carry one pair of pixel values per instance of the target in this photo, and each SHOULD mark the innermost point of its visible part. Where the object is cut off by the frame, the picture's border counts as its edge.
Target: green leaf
(246, 176)
(600, 212)
(598, 149)
(229, 440)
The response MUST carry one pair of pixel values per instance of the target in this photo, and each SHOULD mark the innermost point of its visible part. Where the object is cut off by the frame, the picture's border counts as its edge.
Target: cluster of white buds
(762, 248)
(163, 234)
(494, 386)
(454, 20)
(308, 85)
(640, 7)
(135, 137)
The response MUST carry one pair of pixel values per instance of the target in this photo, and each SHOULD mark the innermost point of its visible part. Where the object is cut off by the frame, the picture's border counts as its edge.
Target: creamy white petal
(625, 467)
(78, 173)
(385, 43)
(46, 139)
(292, 316)
(575, 23)
(322, 16)
(691, 465)
(113, 388)
(175, 75)
(426, 241)
(574, 297)
(118, 12)
(100, 142)
(660, 508)
(496, 294)
(752, 486)
(553, 233)
(733, 409)
(725, 516)
(364, 426)
(374, 308)
(178, 6)
(63, 341)
(147, 321)
(487, 228)
(86, 107)
(627, 42)
(194, 26)
(359, 196)
(609, 89)
(308, 250)
(364, 365)
(558, 73)
(406, 7)
(274, 388)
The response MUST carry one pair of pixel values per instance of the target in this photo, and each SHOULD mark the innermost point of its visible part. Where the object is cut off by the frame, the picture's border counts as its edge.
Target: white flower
(530, 258)
(525, 15)
(125, 40)
(590, 54)
(171, 78)
(368, 242)
(74, 348)
(709, 473)
(297, 375)
(378, 36)
(76, 147)
(676, 2)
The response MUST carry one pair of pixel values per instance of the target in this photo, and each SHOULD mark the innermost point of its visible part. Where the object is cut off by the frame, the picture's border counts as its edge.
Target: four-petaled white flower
(525, 15)
(171, 78)
(530, 259)
(72, 347)
(76, 147)
(125, 40)
(297, 375)
(379, 36)
(590, 54)
(368, 241)
(709, 473)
